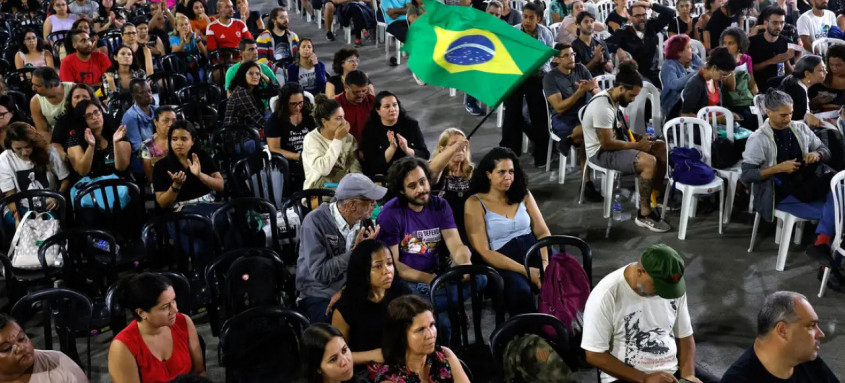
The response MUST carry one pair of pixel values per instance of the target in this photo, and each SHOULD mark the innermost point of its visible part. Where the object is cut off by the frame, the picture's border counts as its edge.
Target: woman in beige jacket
(328, 152)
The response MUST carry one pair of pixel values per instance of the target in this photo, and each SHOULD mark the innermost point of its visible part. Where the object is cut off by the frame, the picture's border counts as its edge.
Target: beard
(420, 199)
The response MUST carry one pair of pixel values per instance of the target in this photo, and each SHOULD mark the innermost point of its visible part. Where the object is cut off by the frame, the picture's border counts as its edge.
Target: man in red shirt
(87, 65)
(226, 31)
(356, 101)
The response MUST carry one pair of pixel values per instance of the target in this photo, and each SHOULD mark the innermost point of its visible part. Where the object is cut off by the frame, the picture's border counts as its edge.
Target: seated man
(787, 345)
(639, 39)
(610, 144)
(636, 322)
(139, 119)
(327, 237)
(226, 31)
(87, 65)
(249, 52)
(589, 49)
(359, 12)
(278, 45)
(49, 100)
(356, 101)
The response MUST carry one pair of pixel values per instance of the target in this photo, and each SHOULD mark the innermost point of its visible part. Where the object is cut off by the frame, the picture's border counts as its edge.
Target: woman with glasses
(122, 71)
(244, 108)
(328, 152)
(186, 175)
(67, 121)
(33, 52)
(60, 19)
(308, 71)
(21, 362)
(96, 148)
(390, 135)
(705, 89)
(345, 61)
(286, 130)
(141, 54)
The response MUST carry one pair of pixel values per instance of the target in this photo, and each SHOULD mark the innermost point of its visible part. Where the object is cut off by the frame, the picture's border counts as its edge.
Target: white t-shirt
(20, 175)
(600, 114)
(55, 367)
(639, 331)
(814, 26)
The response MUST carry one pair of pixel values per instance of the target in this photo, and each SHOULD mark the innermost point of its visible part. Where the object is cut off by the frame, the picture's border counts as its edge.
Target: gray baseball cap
(358, 185)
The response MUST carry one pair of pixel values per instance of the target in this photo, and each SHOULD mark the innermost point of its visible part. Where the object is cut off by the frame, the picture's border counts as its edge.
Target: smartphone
(368, 224)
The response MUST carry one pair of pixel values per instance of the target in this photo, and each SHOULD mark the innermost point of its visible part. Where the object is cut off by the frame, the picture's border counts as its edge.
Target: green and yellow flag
(464, 48)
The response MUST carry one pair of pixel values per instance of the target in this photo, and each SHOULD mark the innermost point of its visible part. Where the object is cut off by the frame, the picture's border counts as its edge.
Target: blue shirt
(385, 4)
(139, 126)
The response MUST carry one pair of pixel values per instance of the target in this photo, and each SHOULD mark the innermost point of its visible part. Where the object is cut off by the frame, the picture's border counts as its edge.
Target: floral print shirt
(438, 366)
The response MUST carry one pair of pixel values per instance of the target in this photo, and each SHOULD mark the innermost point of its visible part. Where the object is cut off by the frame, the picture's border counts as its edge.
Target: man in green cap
(636, 323)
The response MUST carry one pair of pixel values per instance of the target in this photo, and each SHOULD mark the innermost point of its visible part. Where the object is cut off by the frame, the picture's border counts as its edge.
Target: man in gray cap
(326, 239)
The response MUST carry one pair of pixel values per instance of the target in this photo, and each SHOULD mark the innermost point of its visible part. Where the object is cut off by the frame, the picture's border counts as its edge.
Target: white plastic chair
(670, 3)
(387, 38)
(561, 171)
(555, 29)
(698, 49)
(679, 132)
(837, 187)
(517, 5)
(697, 9)
(636, 109)
(761, 109)
(748, 24)
(605, 9)
(820, 45)
(661, 42)
(732, 174)
(605, 81)
(786, 223)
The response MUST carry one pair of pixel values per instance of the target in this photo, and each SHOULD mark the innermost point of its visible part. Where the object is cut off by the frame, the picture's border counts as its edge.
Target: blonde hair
(179, 17)
(466, 167)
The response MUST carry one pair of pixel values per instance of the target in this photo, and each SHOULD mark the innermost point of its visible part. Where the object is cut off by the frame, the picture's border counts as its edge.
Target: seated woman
(619, 16)
(60, 18)
(830, 94)
(106, 17)
(184, 39)
(705, 89)
(96, 148)
(680, 65)
(142, 55)
(809, 71)
(740, 88)
(157, 147)
(308, 71)
(568, 31)
(160, 344)
(23, 363)
(684, 23)
(286, 130)
(362, 309)
(186, 175)
(67, 121)
(328, 152)
(33, 52)
(244, 108)
(325, 356)
(409, 348)
(345, 61)
(151, 41)
(390, 135)
(122, 71)
(451, 171)
(503, 222)
(9, 113)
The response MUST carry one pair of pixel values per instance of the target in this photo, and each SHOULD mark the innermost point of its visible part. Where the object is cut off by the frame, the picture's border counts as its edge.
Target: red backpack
(565, 291)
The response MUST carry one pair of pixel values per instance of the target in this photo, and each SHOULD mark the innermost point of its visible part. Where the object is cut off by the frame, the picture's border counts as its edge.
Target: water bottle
(781, 70)
(617, 207)
(100, 244)
(649, 129)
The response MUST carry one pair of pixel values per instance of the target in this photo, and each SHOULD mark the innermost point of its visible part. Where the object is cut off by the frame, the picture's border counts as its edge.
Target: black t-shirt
(761, 50)
(291, 136)
(584, 53)
(614, 17)
(192, 188)
(680, 26)
(366, 319)
(103, 162)
(716, 25)
(281, 46)
(748, 369)
(787, 149)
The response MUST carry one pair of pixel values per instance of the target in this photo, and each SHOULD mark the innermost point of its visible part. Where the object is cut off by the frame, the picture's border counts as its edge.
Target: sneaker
(821, 253)
(652, 222)
(473, 109)
(330, 36)
(591, 194)
(417, 80)
(394, 61)
(565, 146)
(366, 33)
(357, 43)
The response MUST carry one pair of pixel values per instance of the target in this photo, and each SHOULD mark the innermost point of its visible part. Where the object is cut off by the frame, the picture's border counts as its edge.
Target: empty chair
(112, 38)
(203, 93)
(307, 200)
(203, 116)
(731, 173)
(246, 222)
(166, 85)
(821, 45)
(262, 175)
(231, 144)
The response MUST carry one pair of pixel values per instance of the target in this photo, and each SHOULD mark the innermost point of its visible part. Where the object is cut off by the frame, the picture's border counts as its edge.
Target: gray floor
(725, 283)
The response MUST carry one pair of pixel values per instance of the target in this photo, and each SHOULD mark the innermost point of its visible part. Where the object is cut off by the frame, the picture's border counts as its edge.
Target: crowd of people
(363, 276)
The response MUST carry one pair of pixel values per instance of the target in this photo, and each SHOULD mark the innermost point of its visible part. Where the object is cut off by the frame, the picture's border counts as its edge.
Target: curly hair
(282, 112)
(189, 9)
(40, 45)
(341, 56)
(739, 35)
(399, 170)
(481, 184)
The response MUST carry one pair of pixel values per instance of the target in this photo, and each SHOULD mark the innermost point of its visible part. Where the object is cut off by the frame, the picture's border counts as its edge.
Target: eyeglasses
(30, 38)
(4, 114)
(96, 113)
(130, 33)
(351, 60)
(255, 74)
(299, 103)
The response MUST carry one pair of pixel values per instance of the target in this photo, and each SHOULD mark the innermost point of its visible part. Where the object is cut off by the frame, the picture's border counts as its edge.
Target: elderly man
(787, 345)
(327, 237)
(636, 324)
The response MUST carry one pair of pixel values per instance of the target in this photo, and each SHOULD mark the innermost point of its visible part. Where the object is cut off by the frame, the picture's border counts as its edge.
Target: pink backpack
(565, 291)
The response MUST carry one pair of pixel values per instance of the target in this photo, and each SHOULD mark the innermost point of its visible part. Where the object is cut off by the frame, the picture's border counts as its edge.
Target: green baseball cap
(666, 267)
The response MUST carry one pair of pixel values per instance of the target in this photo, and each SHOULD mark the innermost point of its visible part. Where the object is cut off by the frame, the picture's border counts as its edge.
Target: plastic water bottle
(102, 244)
(617, 207)
(649, 129)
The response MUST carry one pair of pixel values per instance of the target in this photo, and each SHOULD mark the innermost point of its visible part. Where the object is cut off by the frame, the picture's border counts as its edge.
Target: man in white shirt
(636, 323)
(815, 23)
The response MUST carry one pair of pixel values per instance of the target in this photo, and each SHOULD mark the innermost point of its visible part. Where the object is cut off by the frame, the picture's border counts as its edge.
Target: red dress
(151, 369)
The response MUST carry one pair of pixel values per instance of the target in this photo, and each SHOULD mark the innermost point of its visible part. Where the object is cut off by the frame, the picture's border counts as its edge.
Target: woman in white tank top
(33, 52)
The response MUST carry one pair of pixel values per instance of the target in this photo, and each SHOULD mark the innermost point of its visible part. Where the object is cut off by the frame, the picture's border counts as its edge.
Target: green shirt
(230, 74)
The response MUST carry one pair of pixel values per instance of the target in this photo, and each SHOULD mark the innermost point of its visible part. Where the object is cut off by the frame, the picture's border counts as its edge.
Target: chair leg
(607, 186)
(721, 208)
(729, 201)
(583, 183)
(525, 143)
(799, 232)
(686, 206)
(779, 231)
(825, 278)
(786, 238)
(398, 52)
(754, 232)
(549, 155)
(561, 169)
(500, 115)
(665, 212)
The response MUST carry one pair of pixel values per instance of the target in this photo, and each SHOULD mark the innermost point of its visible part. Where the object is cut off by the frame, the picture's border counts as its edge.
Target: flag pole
(492, 110)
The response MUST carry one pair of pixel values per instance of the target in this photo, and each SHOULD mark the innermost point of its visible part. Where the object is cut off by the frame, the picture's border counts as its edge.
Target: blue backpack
(688, 168)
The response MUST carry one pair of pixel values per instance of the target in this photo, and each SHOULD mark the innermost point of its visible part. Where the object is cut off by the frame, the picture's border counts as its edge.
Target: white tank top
(52, 112)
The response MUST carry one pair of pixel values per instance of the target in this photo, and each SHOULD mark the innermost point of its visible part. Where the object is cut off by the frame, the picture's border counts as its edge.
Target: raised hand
(89, 137)
(119, 134)
(194, 165)
(178, 178)
(342, 130)
(391, 138)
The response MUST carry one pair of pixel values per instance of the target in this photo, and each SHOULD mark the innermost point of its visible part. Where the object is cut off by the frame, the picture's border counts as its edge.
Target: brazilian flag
(467, 49)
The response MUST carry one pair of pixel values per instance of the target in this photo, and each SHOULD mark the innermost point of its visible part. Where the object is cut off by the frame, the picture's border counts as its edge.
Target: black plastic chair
(112, 38)
(204, 117)
(217, 74)
(166, 85)
(224, 55)
(240, 224)
(35, 200)
(475, 351)
(21, 81)
(67, 310)
(20, 100)
(117, 312)
(262, 345)
(233, 296)
(532, 258)
(89, 260)
(119, 103)
(307, 200)
(185, 243)
(262, 176)
(231, 144)
(543, 325)
(201, 93)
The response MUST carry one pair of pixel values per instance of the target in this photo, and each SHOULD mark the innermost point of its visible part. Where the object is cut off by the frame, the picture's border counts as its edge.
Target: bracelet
(175, 189)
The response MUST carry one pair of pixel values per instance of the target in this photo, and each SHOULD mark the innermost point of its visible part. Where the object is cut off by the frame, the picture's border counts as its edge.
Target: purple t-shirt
(417, 234)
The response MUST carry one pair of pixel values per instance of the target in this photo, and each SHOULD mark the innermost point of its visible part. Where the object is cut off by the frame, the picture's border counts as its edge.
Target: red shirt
(86, 72)
(151, 369)
(226, 36)
(357, 115)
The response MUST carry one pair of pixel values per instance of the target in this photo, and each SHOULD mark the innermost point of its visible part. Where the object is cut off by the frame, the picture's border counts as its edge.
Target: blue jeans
(518, 296)
(564, 124)
(315, 308)
(441, 301)
(820, 210)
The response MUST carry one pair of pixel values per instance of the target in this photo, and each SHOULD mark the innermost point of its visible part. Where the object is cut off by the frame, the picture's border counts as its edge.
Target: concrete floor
(726, 285)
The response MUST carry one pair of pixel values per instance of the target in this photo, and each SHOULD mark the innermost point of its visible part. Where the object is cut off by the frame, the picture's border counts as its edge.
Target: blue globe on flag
(470, 50)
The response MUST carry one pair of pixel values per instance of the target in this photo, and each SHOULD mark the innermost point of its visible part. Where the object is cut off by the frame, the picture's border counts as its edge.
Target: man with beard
(610, 143)
(769, 50)
(226, 31)
(87, 65)
(327, 236)
(639, 39)
(48, 103)
(787, 345)
(277, 45)
(636, 323)
(815, 23)
(590, 50)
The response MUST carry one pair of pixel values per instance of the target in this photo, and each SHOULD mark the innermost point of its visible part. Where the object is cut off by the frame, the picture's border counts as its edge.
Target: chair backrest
(605, 81)
(543, 325)
(837, 187)
(108, 211)
(748, 24)
(217, 73)
(697, 9)
(821, 45)
(263, 176)
(233, 143)
(217, 275)
(555, 28)
(113, 39)
(21, 101)
(759, 104)
(661, 42)
(307, 200)
(224, 55)
(21, 81)
(183, 242)
(203, 116)
(636, 110)
(605, 9)
(241, 223)
(262, 345)
(167, 85)
(711, 115)
(698, 49)
(456, 308)
(682, 131)
(564, 243)
(34, 200)
(202, 93)
(118, 312)
(89, 257)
